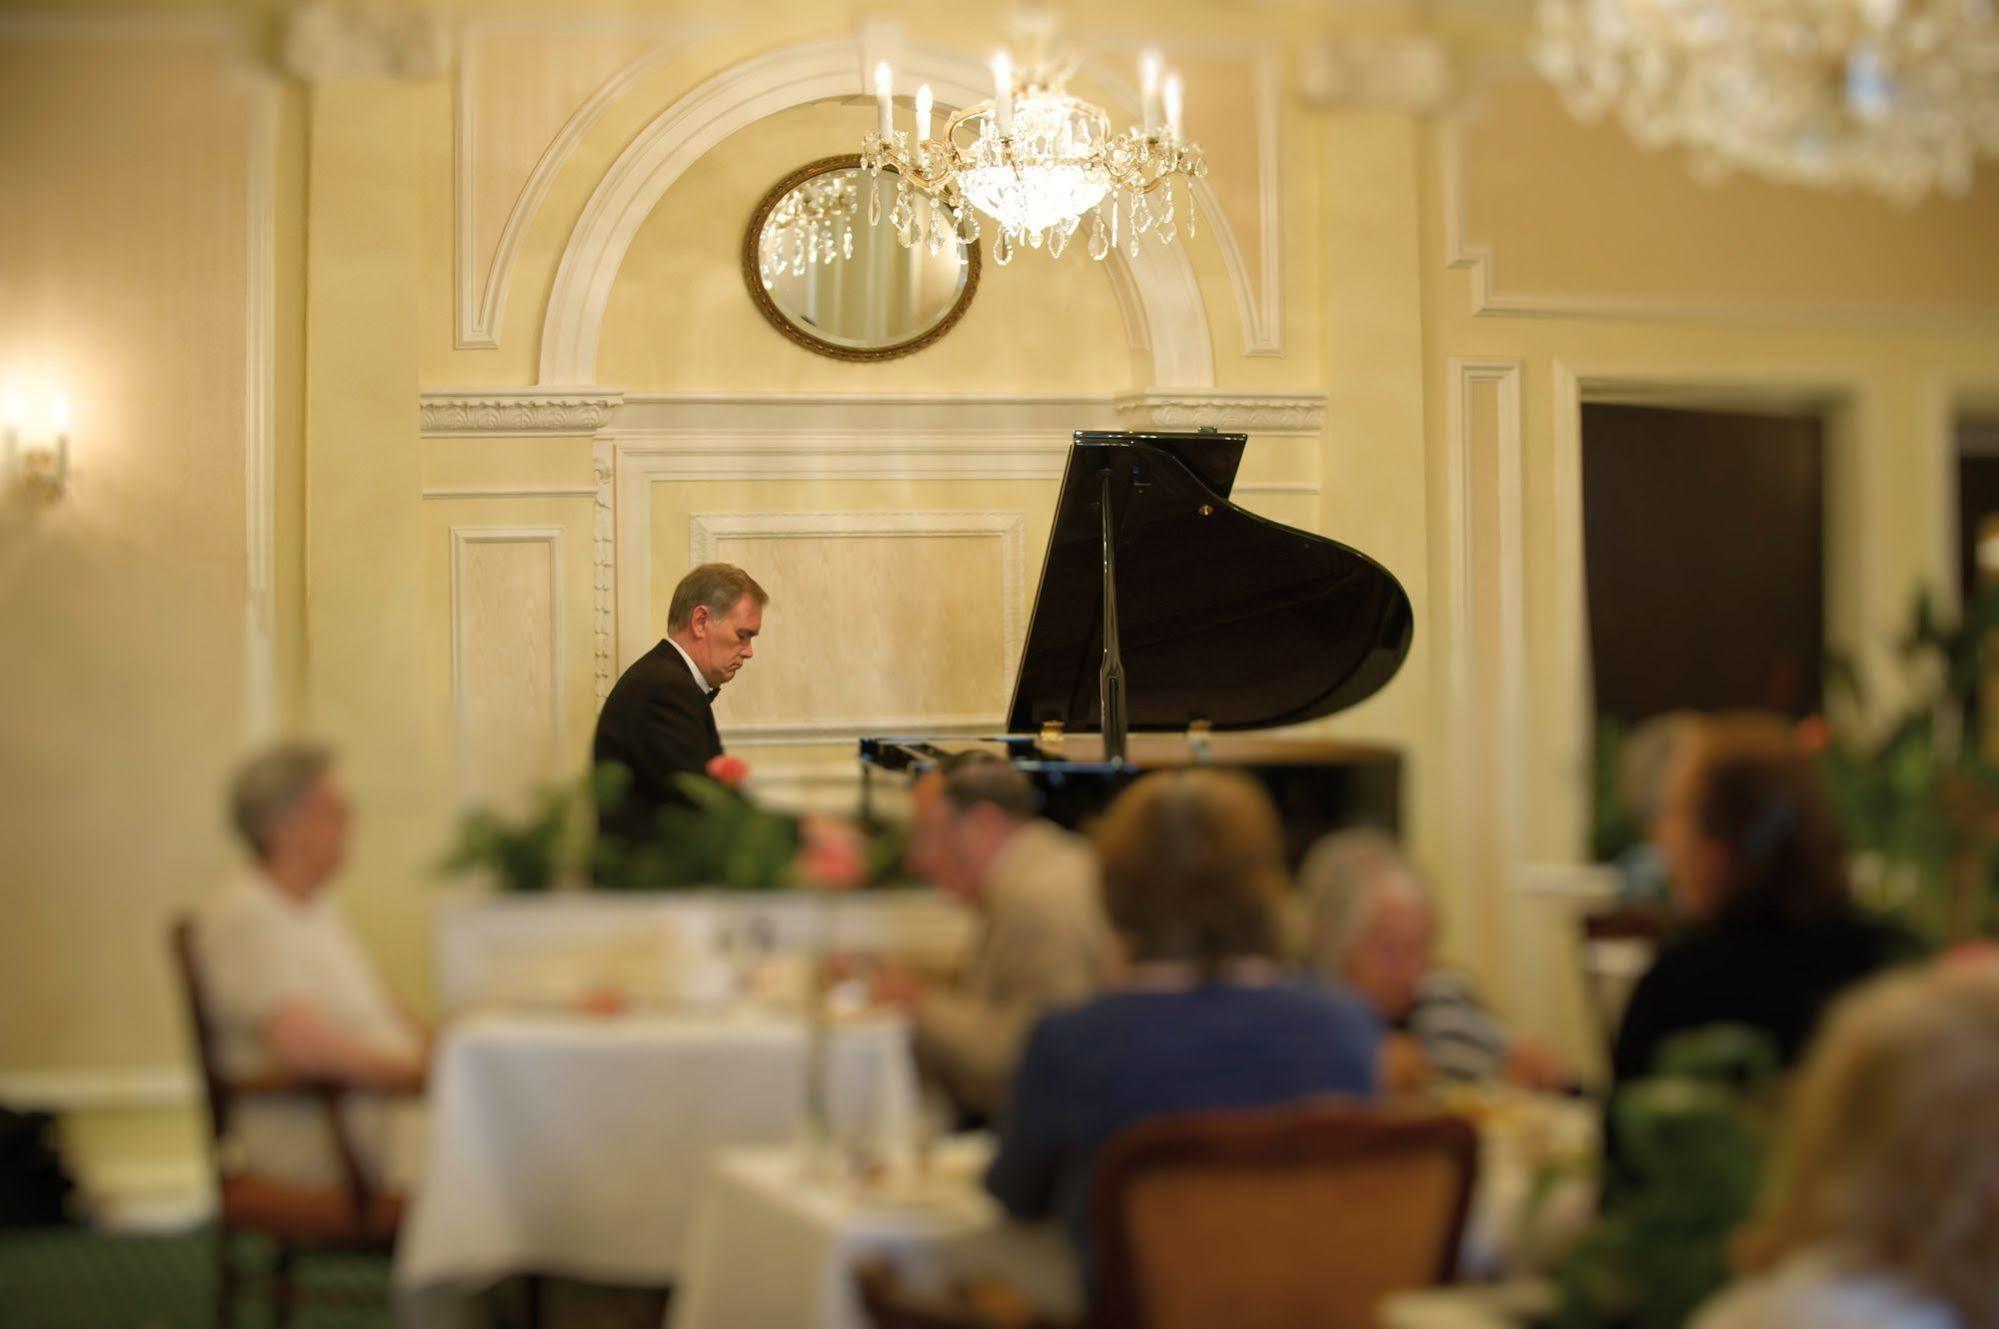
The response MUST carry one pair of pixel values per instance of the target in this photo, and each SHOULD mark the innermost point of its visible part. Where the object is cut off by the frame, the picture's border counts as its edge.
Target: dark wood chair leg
(534, 1285)
(225, 1280)
(284, 1288)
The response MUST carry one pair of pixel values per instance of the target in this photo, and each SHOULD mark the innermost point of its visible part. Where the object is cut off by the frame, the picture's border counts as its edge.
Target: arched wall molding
(482, 300)
(1161, 280)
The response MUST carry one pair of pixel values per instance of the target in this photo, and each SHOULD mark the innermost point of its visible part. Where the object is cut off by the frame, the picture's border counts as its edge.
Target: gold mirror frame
(752, 239)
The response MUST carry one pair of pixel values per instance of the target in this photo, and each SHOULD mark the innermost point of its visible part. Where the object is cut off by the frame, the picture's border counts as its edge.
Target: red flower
(731, 771)
(1814, 735)
(830, 854)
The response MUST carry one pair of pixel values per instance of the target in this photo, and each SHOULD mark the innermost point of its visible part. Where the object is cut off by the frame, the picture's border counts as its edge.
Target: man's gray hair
(269, 785)
(976, 776)
(714, 586)
(1344, 876)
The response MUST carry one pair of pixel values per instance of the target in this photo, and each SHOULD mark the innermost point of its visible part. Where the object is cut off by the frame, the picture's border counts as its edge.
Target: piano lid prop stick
(1110, 683)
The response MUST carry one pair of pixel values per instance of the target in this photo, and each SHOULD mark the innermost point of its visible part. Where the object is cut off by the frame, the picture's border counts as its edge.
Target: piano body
(1169, 625)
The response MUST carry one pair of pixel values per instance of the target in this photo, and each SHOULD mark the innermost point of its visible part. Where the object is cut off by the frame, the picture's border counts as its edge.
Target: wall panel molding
(463, 540)
(707, 530)
(1265, 413)
(511, 412)
(260, 415)
(482, 298)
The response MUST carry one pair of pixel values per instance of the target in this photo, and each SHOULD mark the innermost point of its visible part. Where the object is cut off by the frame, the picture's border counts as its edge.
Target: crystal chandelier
(1895, 96)
(1041, 163)
(814, 223)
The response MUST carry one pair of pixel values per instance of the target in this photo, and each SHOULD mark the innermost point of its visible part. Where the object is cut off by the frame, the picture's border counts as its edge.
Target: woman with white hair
(1370, 925)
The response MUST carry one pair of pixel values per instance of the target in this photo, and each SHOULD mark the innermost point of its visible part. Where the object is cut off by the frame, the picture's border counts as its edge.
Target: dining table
(776, 1235)
(568, 1144)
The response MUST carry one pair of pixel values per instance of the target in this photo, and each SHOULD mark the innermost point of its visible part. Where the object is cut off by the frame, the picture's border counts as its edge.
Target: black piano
(1169, 625)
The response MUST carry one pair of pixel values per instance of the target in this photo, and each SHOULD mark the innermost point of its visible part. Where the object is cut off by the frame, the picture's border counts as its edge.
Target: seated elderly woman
(1884, 1207)
(1370, 925)
(290, 989)
(1201, 1016)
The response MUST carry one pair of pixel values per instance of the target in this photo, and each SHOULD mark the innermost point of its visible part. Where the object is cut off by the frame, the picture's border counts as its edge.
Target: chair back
(1614, 949)
(187, 964)
(1275, 1219)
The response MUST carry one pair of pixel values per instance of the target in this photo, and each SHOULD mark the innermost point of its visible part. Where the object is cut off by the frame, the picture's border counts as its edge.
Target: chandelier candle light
(1040, 162)
(1895, 96)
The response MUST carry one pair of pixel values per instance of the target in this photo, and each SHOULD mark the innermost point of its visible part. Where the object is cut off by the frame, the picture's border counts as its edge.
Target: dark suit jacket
(656, 723)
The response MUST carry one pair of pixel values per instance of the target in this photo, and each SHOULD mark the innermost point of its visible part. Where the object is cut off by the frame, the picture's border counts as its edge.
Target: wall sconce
(36, 459)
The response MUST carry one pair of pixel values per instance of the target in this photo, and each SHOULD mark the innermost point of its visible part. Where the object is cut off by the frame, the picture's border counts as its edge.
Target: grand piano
(1169, 626)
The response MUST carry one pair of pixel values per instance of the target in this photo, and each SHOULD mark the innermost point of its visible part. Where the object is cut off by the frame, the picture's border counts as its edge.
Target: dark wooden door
(1704, 556)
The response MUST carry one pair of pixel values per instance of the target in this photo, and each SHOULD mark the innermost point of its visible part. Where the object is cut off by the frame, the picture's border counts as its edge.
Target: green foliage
(529, 853)
(1614, 827)
(1693, 1139)
(1918, 798)
(721, 839)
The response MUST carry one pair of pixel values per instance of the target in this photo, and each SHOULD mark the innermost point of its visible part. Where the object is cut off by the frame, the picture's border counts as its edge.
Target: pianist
(658, 722)
(1043, 941)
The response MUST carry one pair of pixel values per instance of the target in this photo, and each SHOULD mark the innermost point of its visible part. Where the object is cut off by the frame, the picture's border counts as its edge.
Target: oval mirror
(837, 283)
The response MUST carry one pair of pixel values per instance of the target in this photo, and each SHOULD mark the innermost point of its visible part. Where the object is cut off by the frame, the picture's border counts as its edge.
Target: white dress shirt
(692, 668)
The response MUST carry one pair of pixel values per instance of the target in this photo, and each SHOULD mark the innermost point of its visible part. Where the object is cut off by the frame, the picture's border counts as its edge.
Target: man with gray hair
(658, 721)
(1371, 926)
(290, 989)
(1042, 941)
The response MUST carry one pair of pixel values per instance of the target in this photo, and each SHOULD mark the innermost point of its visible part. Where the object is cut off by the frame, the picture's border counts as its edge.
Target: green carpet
(74, 1278)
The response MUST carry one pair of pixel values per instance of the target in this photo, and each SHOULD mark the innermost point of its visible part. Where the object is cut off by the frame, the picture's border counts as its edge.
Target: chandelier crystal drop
(1035, 159)
(1899, 97)
(814, 223)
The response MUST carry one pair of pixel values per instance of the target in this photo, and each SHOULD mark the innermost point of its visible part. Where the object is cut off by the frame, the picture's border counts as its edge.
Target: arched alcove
(1166, 316)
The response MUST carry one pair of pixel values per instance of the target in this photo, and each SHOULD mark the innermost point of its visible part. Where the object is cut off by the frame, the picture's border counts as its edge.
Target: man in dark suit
(657, 722)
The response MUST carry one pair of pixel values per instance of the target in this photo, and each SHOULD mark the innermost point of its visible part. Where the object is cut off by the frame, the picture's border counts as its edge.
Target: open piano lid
(1223, 616)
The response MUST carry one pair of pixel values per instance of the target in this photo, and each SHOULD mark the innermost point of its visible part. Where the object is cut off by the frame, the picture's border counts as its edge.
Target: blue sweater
(1089, 1072)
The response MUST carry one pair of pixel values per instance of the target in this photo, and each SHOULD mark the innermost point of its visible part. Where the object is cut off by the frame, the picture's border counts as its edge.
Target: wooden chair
(299, 1220)
(1614, 949)
(1276, 1219)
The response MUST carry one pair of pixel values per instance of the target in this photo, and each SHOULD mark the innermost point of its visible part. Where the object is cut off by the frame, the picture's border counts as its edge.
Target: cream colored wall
(148, 174)
(127, 168)
(1451, 314)
(1561, 265)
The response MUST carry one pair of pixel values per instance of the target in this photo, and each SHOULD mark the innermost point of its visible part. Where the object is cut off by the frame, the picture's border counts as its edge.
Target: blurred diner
(1758, 874)
(1041, 941)
(1884, 1209)
(1202, 1016)
(290, 989)
(1370, 925)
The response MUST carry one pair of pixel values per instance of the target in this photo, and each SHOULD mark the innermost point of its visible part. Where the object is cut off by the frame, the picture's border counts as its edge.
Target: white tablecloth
(772, 1246)
(562, 1144)
(551, 948)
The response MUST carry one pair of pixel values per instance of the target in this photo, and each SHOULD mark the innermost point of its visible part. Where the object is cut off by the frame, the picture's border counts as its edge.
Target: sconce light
(36, 458)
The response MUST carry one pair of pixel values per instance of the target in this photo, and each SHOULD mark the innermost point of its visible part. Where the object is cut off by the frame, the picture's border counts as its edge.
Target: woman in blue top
(1202, 1017)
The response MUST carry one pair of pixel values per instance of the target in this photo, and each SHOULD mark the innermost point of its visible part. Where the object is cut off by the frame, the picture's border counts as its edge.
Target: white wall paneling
(507, 683)
(1484, 580)
(877, 621)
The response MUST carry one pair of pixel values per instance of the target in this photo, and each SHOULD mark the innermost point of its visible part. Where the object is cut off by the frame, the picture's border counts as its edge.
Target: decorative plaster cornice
(1252, 412)
(326, 39)
(513, 412)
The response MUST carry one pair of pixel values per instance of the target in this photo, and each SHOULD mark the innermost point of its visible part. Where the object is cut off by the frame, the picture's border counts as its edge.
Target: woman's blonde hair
(1891, 1157)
